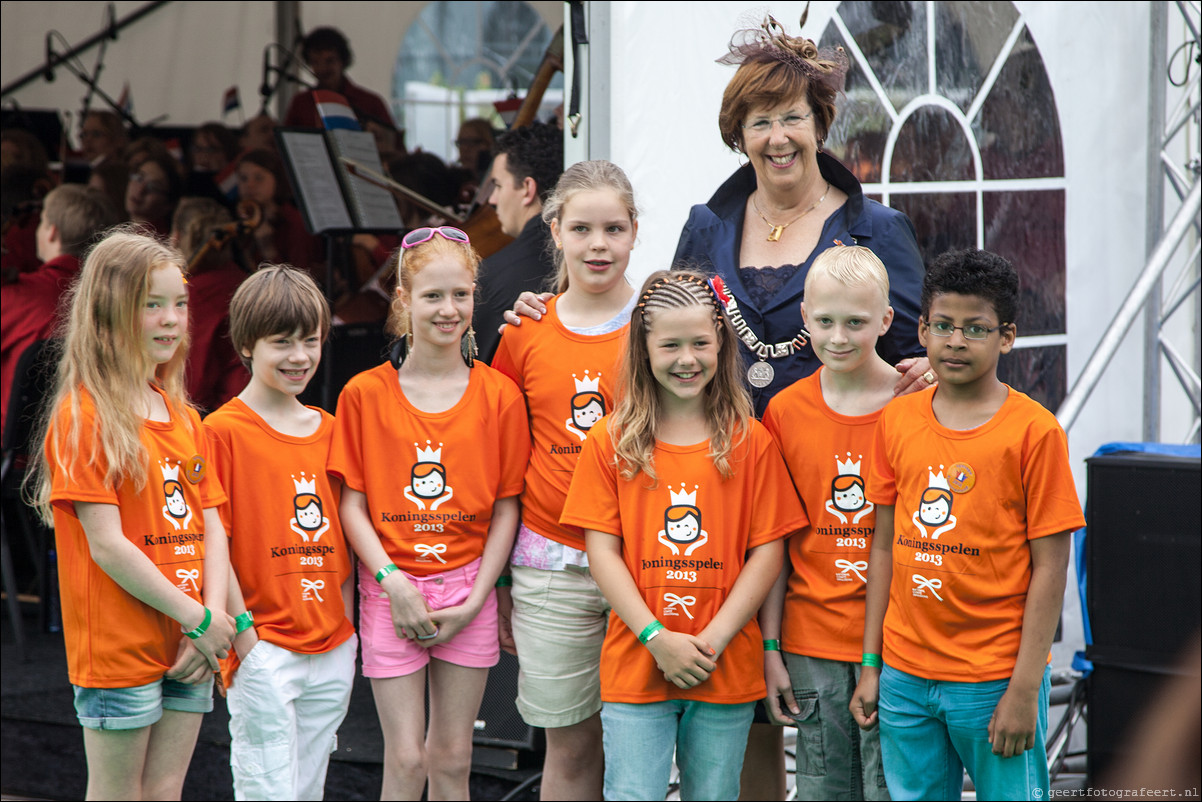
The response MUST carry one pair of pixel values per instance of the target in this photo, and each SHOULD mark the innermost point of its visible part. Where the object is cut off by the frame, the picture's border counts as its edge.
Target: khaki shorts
(559, 623)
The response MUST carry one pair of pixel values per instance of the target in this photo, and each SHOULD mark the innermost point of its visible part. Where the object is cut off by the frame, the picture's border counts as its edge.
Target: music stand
(334, 202)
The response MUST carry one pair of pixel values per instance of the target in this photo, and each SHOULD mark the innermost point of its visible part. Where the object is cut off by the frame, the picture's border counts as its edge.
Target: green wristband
(872, 660)
(204, 625)
(504, 581)
(243, 622)
(385, 571)
(650, 631)
(772, 645)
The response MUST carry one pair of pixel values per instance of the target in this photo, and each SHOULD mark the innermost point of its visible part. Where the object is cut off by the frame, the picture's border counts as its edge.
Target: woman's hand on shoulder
(915, 373)
(528, 305)
(686, 660)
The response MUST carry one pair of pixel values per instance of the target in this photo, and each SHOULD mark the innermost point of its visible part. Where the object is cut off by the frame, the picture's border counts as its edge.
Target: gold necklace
(778, 230)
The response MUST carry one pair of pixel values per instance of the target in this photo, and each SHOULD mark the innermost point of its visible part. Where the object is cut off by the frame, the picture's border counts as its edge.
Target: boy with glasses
(975, 502)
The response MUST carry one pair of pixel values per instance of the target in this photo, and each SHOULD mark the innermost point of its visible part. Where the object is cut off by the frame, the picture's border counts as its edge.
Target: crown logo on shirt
(587, 385)
(304, 485)
(849, 468)
(170, 474)
(937, 480)
(682, 498)
(429, 454)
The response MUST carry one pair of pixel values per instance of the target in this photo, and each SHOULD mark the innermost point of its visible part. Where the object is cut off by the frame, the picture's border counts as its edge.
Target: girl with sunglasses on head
(431, 448)
(566, 364)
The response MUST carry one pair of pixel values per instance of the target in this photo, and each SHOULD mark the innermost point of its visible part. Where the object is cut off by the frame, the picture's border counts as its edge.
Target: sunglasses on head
(419, 235)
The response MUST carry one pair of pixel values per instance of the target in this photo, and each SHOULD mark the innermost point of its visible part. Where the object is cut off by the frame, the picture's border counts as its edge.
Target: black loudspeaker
(507, 741)
(1142, 552)
(351, 349)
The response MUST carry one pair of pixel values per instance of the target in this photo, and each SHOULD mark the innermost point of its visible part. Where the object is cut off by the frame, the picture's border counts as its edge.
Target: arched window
(950, 117)
(458, 58)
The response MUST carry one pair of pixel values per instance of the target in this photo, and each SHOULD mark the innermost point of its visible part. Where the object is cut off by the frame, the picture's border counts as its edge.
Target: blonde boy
(813, 621)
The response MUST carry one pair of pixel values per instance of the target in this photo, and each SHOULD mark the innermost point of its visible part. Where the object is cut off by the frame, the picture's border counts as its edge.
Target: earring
(467, 347)
(821, 142)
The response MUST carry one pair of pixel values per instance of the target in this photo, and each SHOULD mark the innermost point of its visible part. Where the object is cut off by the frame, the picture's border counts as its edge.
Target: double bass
(482, 224)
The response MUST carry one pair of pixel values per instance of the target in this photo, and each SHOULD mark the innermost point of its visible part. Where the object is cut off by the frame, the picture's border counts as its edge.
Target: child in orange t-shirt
(123, 477)
(700, 550)
(431, 454)
(566, 365)
(966, 579)
(813, 620)
(290, 587)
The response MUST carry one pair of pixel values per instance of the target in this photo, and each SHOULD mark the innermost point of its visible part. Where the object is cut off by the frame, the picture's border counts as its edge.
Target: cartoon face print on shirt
(588, 405)
(935, 507)
(847, 492)
(175, 509)
(682, 523)
(307, 519)
(428, 479)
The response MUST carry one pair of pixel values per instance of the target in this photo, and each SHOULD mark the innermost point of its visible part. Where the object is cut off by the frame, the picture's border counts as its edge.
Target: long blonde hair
(584, 177)
(728, 408)
(103, 357)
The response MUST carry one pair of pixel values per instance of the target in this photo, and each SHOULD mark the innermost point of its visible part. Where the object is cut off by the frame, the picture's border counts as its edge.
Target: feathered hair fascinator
(769, 42)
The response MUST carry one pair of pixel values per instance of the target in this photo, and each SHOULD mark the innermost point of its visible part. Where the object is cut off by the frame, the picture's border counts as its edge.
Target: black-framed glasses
(973, 331)
(419, 235)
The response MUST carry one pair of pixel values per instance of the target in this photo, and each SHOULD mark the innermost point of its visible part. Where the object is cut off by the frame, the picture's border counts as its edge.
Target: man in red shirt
(328, 55)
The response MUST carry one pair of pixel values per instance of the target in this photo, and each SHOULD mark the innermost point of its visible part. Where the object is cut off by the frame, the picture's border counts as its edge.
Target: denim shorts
(140, 706)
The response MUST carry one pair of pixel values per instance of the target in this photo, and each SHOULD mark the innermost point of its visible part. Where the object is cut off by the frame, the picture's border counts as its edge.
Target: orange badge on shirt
(961, 477)
(195, 469)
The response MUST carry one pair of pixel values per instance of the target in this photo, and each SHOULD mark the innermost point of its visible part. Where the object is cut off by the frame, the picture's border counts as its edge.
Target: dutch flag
(334, 111)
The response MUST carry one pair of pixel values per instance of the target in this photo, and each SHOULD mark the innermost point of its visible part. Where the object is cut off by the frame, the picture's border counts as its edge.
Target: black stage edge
(41, 744)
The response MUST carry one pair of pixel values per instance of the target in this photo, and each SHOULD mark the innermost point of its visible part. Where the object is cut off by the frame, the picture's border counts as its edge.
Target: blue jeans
(708, 739)
(931, 730)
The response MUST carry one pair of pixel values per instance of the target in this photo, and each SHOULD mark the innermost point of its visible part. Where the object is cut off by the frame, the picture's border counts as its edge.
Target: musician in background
(328, 55)
(526, 168)
(215, 374)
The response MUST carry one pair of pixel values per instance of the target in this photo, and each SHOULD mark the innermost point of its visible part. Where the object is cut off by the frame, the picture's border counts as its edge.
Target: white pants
(285, 710)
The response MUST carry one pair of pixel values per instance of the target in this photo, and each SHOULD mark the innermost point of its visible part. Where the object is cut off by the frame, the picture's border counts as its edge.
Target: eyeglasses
(151, 186)
(419, 235)
(789, 122)
(973, 331)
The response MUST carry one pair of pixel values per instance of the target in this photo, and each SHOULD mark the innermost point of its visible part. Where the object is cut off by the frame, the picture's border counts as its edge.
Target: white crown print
(169, 473)
(304, 485)
(429, 454)
(937, 480)
(682, 498)
(587, 385)
(848, 468)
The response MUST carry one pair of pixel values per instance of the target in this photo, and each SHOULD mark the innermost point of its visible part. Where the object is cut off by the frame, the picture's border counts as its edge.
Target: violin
(250, 216)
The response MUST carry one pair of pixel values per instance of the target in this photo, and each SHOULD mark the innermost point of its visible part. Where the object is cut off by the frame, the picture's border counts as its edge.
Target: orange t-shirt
(568, 381)
(286, 543)
(825, 451)
(113, 639)
(966, 503)
(431, 478)
(684, 542)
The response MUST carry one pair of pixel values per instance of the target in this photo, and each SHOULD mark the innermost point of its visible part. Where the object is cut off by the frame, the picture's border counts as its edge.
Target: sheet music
(374, 206)
(318, 190)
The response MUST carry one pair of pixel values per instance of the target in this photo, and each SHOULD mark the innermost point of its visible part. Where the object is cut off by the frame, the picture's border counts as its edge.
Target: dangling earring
(821, 142)
(467, 347)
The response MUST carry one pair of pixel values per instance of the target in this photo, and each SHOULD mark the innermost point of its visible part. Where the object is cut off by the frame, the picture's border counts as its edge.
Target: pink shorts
(385, 655)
